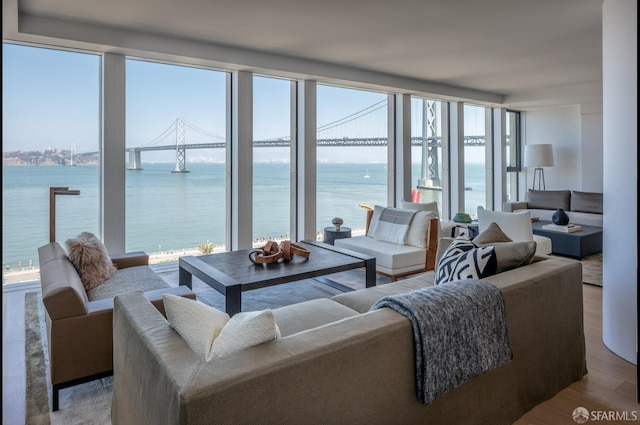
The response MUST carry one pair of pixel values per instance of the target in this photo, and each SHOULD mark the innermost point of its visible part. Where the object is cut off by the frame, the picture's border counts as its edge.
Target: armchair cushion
(425, 206)
(91, 260)
(139, 278)
(419, 229)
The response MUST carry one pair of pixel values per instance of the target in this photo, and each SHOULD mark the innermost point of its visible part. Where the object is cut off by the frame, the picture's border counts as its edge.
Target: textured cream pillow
(197, 323)
(245, 330)
(90, 258)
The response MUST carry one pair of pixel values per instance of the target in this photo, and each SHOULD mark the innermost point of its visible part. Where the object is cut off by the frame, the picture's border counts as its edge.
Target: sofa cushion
(306, 315)
(464, 260)
(139, 278)
(362, 299)
(197, 323)
(588, 202)
(389, 255)
(90, 258)
(548, 199)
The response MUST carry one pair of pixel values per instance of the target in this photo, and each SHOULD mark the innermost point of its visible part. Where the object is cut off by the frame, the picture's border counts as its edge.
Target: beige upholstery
(349, 369)
(79, 325)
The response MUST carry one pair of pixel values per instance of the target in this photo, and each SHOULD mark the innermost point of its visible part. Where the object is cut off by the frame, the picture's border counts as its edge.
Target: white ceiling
(498, 46)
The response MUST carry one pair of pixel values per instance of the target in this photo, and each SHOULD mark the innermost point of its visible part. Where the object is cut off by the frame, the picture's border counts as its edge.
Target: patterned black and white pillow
(465, 260)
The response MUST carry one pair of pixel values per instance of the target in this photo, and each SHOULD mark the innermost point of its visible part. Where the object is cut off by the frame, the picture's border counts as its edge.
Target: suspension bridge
(355, 130)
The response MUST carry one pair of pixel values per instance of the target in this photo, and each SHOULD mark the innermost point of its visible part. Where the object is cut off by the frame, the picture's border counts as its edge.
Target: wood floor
(609, 386)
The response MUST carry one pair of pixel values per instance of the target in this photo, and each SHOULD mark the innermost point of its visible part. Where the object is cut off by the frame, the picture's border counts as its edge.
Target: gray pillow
(589, 202)
(509, 254)
(491, 234)
(548, 199)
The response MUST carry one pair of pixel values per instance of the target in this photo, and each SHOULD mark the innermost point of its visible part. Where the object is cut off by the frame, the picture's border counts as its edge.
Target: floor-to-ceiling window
(175, 142)
(271, 158)
(426, 151)
(475, 186)
(50, 138)
(351, 154)
(512, 157)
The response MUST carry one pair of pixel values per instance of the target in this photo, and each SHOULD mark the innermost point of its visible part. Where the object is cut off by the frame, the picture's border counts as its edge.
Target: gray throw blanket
(459, 331)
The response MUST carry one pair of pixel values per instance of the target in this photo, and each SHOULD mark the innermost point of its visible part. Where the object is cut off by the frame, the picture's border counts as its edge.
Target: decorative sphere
(337, 222)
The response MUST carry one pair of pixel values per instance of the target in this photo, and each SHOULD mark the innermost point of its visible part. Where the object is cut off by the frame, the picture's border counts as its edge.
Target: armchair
(395, 260)
(79, 323)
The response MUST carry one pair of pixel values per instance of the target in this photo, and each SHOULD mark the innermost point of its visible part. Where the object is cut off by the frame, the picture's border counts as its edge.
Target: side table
(331, 234)
(470, 229)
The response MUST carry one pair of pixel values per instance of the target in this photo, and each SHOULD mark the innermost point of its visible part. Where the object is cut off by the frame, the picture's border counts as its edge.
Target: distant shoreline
(32, 274)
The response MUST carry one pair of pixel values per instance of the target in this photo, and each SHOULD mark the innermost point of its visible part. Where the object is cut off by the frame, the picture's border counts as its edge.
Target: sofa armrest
(130, 259)
(511, 206)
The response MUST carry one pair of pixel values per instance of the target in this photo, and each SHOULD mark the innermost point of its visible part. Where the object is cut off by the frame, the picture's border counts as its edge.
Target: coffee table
(578, 244)
(231, 273)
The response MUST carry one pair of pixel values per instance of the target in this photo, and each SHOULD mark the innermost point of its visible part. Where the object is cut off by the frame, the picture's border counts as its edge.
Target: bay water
(175, 211)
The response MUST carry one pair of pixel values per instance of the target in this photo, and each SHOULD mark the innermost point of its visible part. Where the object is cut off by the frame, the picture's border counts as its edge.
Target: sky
(51, 99)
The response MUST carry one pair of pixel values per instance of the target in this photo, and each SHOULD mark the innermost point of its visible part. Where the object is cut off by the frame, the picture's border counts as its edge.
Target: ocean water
(169, 211)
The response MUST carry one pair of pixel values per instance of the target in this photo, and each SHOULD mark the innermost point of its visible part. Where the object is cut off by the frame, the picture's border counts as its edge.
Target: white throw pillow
(516, 225)
(197, 323)
(418, 229)
(421, 206)
(245, 330)
(211, 333)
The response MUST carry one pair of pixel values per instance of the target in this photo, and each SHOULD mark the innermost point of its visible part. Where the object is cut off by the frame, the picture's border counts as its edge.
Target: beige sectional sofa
(581, 207)
(339, 363)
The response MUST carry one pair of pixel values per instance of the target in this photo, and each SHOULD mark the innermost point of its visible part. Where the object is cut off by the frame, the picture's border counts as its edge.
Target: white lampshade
(538, 155)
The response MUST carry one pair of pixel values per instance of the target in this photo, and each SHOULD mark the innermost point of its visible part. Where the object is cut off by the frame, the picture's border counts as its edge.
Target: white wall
(592, 148)
(620, 135)
(560, 126)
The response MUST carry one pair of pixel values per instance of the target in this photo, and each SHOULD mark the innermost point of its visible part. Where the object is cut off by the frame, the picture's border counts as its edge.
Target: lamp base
(538, 173)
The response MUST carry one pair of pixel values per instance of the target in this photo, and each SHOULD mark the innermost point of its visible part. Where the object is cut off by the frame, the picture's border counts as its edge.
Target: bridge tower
(134, 160)
(72, 154)
(430, 176)
(181, 156)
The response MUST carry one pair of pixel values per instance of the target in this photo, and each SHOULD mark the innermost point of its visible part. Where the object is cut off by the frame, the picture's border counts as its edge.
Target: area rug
(592, 269)
(90, 403)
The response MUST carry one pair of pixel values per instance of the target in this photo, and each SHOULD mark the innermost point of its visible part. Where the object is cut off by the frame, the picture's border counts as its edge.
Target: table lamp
(538, 156)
